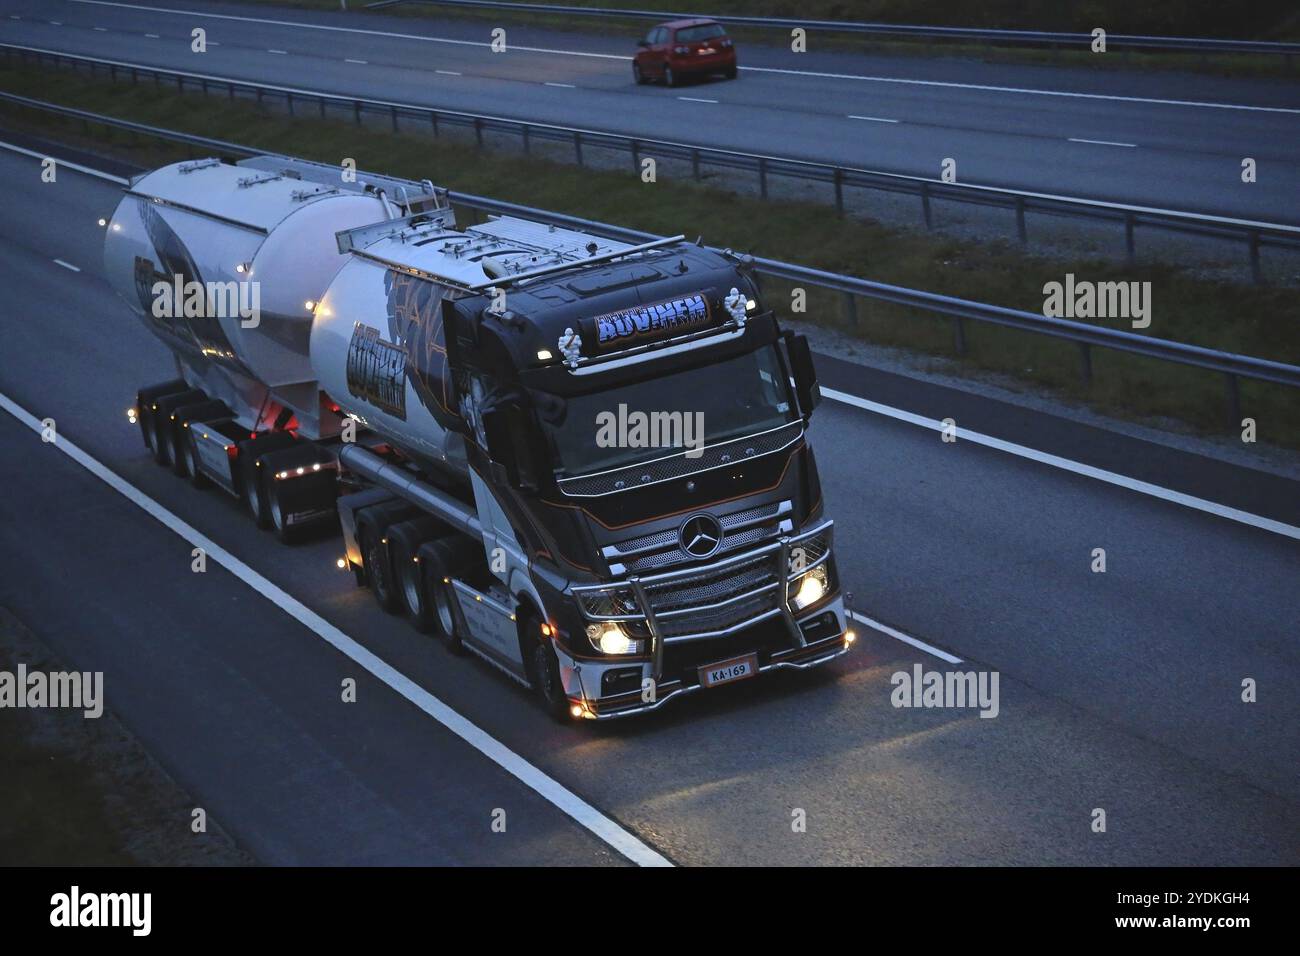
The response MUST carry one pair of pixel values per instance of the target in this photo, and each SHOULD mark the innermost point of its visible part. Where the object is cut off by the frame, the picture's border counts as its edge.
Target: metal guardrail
(1232, 366)
(1027, 37)
(1255, 235)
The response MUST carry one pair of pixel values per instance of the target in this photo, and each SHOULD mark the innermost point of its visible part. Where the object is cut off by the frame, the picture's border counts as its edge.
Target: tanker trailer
(585, 462)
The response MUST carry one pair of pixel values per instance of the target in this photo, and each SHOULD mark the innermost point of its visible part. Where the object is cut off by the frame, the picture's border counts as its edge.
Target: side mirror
(806, 389)
(507, 429)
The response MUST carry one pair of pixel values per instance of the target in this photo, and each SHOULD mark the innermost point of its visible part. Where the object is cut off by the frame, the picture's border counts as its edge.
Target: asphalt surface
(1118, 691)
(1168, 140)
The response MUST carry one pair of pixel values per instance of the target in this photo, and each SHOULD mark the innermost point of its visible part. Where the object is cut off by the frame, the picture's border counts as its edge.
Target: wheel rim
(255, 497)
(277, 513)
(442, 604)
(411, 587)
(668, 75)
(192, 457)
(636, 72)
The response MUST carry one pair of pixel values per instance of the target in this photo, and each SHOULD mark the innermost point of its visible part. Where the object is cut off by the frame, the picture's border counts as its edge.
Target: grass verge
(80, 792)
(1261, 321)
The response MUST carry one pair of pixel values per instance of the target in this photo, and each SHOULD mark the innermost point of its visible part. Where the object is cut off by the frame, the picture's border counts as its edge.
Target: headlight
(810, 588)
(610, 638)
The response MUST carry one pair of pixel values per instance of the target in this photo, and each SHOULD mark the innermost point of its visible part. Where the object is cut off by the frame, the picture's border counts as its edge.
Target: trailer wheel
(197, 478)
(162, 413)
(255, 497)
(544, 672)
(301, 488)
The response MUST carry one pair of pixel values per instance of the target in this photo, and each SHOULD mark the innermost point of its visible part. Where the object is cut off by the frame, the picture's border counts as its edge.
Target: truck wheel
(441, 560)
(405, 541)
(379, 569)
(670, 78)
(197, 478)
(301, 488)
(637, 74)
(178, 425)
(254, 484)
(162, 410)
(144, 400)
(731, 73)
(254, 476)
(544, 672)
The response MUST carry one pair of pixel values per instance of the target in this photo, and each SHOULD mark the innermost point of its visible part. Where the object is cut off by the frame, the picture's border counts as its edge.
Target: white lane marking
(695, 99)
(566, 86)
(873, 119)
(280, 52)
(754, 69)
(1102, 142)
(100, 29)
(447, 72)
(153, 36)
(64, 164)
(905, 638)
(362, 62)
(66, 265)
(14, 16)
(562, 798)
(1074, 467)
(985, 88)
(55, 23)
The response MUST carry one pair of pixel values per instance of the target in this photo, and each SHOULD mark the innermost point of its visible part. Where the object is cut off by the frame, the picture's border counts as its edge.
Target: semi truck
(584, 461)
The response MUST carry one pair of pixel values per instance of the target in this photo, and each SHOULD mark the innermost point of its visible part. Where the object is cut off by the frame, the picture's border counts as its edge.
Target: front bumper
(702, 615)
(625, 705)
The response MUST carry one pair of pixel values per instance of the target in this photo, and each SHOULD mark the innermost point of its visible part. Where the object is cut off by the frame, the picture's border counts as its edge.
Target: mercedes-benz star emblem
(700, 535)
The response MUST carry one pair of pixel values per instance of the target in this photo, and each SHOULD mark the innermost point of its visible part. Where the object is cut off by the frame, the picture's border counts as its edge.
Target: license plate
(724, 672)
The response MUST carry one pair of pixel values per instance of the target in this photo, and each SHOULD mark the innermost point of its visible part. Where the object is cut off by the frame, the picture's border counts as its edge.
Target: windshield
(707, 31)
(664, 416)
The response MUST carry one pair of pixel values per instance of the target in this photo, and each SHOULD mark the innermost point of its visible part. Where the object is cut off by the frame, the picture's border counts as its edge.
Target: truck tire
(405, 540)
(544, 670)
(183, 453)
(637, 74)
(252, 480)
(197, 478)
(315, 491)
(144, 400)
(373, 523)
(162, 409)
(670, 78)
(379, 568)
(441, 560)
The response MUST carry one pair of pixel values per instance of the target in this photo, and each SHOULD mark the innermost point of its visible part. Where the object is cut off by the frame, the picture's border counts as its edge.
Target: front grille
(662, 549)
(696, 605)
(679, 466)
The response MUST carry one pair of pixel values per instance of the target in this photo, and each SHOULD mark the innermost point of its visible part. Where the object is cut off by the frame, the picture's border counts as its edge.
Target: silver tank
(250, 250)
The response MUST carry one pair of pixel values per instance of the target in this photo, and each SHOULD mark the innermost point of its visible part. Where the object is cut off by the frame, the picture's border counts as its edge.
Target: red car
(681, 48)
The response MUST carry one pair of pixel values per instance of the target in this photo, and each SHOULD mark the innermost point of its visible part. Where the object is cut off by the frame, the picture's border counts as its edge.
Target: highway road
(1118, 691)
(1169, 140)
